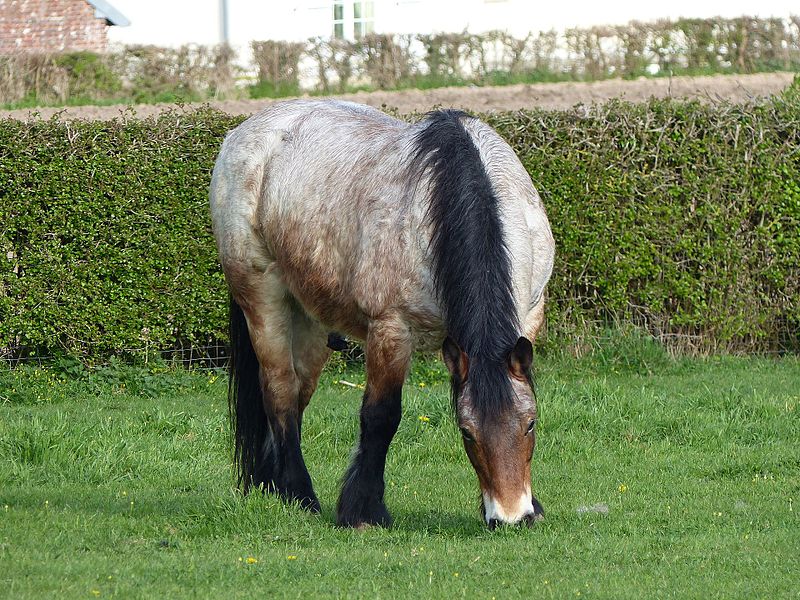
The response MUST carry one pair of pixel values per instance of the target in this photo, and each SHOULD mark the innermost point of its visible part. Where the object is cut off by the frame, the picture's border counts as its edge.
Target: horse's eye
(531, 425)
(466, 434)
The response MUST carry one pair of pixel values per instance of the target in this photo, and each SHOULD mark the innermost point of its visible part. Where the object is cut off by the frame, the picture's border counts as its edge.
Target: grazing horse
(334, 217)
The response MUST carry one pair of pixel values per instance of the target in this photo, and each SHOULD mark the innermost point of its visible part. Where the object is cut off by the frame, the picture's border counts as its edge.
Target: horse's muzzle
(528, 519)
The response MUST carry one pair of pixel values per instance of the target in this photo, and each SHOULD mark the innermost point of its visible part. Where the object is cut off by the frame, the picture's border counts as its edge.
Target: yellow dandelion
(422, 384)
(455, 574)
(291, 557)
(622, 488)
(424, 419)
(251, 560)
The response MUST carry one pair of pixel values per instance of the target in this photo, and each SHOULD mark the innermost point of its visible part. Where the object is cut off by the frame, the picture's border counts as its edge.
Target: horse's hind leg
(388, 353)
(268, 451)
(310, 352)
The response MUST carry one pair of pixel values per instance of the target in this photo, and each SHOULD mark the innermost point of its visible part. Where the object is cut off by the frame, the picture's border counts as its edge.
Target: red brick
(50, 26)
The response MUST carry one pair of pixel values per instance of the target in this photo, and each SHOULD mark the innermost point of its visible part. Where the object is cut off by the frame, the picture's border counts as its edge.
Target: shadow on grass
(440, 522)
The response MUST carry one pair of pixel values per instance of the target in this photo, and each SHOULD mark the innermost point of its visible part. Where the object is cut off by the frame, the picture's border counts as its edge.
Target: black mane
(472, 269)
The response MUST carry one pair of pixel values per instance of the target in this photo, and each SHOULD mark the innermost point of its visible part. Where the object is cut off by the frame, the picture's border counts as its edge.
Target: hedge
(680, 217)
(105, 240)
(683, 218)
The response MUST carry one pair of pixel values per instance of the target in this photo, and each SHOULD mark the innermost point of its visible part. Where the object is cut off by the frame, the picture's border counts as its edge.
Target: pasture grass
(660, 477)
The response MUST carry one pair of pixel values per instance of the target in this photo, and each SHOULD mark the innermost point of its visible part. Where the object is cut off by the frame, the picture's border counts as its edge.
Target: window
(338, 20)
(353, 24)
(363, 19)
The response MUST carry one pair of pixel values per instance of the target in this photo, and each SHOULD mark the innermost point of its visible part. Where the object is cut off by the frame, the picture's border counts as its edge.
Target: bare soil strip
(736, 88)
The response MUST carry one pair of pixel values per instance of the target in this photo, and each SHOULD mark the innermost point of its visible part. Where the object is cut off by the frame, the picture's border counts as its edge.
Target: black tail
(252, 434)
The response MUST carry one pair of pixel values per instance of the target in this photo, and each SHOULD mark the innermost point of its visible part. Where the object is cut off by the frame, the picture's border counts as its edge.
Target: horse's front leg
(388, 353)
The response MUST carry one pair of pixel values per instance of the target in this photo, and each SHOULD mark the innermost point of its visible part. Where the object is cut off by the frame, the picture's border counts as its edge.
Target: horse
(334, 218)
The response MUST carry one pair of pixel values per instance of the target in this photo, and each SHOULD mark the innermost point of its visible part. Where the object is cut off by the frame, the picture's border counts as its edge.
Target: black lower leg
(283, 459)
(361, 500)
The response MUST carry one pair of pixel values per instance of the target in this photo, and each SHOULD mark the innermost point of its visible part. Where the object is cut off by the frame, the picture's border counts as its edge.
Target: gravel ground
(736, 88)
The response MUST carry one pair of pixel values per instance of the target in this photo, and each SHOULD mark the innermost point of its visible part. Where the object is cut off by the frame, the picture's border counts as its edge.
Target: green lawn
(660, 478)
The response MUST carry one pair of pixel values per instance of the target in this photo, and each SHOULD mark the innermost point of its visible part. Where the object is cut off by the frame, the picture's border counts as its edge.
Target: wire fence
(583, 342)
(210, 357)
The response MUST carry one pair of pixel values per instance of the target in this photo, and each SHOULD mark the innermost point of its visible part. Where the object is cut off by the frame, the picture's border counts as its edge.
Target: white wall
(167, 22)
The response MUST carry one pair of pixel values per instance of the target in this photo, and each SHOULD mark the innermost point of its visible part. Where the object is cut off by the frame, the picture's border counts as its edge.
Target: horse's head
(499, 443)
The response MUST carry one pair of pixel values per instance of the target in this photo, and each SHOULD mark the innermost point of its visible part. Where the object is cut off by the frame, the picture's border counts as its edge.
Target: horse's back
(296, 159)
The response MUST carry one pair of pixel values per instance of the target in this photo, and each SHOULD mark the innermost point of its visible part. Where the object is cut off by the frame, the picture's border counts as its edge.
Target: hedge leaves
(680, 217)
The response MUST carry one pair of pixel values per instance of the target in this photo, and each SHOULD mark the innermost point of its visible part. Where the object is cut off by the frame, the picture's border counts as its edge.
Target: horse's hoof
(306, 501)
(312, 505)
(364, 525)
(370, 514)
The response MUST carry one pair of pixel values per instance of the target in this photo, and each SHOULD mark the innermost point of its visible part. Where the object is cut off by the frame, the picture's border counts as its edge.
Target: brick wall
(50, 26)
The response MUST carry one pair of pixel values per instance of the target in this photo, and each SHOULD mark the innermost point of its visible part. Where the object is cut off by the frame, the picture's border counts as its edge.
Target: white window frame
(341, 21)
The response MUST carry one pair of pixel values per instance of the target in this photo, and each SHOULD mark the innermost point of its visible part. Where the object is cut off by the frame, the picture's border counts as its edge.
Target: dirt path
(482, 99)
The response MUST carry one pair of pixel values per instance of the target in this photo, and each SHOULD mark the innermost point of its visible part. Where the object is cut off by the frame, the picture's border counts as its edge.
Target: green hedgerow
(679, 217)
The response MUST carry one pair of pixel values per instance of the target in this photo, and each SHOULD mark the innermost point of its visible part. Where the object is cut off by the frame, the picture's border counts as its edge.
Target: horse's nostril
(534, 517)
(493, 523)
(537, 507)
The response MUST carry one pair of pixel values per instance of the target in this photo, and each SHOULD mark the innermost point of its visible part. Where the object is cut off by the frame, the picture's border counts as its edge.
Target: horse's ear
(456, 359)
(521, 358)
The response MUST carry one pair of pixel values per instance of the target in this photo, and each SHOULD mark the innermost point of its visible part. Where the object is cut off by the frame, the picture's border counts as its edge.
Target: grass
(660, 478)
(266, 89)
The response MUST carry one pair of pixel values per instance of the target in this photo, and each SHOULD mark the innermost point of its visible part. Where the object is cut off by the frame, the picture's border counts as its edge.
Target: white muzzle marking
(513, 514)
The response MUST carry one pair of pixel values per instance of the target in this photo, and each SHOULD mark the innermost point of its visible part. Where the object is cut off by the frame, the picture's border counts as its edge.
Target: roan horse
(334, 217)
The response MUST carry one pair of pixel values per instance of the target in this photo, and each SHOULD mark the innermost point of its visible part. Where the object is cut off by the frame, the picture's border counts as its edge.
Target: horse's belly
(344, 290)
(316, 276)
